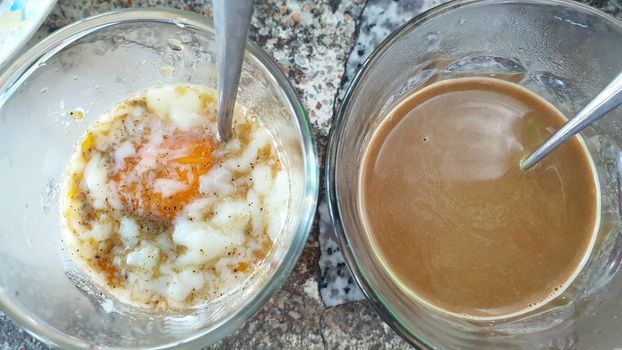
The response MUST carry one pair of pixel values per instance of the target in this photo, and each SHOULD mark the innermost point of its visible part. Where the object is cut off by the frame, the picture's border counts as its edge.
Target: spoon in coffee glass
(231, 21)
(608, 99)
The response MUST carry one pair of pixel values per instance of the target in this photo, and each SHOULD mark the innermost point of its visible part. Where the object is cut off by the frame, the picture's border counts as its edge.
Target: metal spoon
(231, 22)
(608, 99)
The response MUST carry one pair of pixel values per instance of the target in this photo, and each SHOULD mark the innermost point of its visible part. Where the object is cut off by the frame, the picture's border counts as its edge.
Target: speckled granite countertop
(320, 45)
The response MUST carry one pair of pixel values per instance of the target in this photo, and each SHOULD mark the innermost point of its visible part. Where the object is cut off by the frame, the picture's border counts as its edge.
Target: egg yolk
(182, 158)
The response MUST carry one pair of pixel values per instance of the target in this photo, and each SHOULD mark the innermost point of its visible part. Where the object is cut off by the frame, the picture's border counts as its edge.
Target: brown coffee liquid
(453, 217)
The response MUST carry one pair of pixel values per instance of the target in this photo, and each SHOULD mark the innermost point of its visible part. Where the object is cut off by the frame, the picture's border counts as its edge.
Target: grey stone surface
(13, 337)
(340, 324)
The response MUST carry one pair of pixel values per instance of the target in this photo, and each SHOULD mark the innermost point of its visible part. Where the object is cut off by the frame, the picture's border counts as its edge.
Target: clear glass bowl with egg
(49, 97)
(561, 50)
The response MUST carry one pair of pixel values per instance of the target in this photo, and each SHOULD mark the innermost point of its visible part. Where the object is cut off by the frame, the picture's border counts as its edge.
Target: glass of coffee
(452, 242)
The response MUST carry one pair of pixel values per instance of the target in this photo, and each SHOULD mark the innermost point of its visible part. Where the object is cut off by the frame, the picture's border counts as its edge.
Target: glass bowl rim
(353, 263)
(25, 64)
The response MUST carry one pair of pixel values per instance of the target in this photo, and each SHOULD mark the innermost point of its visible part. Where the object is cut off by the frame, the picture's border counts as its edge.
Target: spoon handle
(231, 22)
(608, 99)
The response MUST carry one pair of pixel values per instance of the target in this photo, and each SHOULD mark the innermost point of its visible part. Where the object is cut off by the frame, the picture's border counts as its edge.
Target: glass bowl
(561, 50)
(92, 65)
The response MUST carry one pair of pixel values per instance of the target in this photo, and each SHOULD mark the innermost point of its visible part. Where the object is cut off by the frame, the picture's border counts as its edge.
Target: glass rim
(26, 63)
(352, 260)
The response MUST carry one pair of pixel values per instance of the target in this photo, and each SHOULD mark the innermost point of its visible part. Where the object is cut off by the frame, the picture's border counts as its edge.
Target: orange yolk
(181, 157)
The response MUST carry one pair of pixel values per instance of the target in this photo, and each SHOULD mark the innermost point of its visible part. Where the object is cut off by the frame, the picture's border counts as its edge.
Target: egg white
(212, 244)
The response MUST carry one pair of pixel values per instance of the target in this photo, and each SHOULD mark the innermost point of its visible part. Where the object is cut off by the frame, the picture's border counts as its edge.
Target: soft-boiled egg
(162, 215)
(159, 180)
